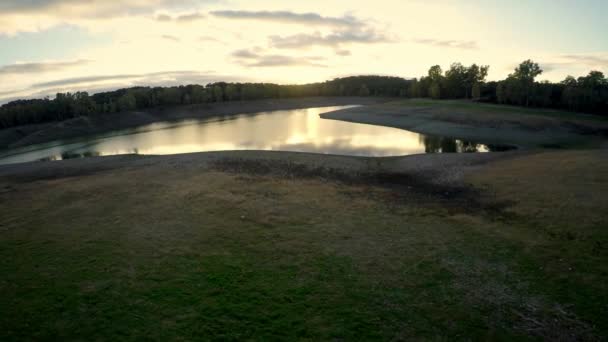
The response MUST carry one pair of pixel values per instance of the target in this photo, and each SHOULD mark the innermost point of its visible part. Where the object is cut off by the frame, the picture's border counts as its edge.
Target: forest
(587, 94)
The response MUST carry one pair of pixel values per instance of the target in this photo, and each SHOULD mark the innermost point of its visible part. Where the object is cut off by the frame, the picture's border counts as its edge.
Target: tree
(364, 91)
(435, 91)
(198, 94)
(569, 93)
(587, 93)
(500, 93)
(435, 74)
(525, 74)
(460, 80)
(455, 81)
(218, 93)
(169, 96)
(474, 75)
(248, 92)
(436, 78)
(569, 81)
(232, 92)
(64, 106)
(83, 104)
(414, 90)
(542, 94)
(594, 79)
(476, 92)
(527, 71)
(591, 92)
(126, 103)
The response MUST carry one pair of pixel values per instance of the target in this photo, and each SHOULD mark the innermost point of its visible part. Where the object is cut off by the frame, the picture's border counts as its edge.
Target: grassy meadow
(167, 248)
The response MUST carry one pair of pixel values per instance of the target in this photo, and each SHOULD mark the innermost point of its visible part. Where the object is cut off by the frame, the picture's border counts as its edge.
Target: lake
(300, 130)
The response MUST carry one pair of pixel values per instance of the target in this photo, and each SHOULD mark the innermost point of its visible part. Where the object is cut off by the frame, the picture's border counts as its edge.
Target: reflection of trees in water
(500, 148)
(73, 155)
(49, 158)
(438, 144)
(449, 145)
(435, 144)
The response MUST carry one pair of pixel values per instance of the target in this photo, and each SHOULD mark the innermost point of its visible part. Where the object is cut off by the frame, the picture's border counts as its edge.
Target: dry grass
(559, 189)
(185, 252)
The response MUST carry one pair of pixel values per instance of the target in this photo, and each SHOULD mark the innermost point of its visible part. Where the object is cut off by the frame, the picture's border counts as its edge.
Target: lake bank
(295, 130)
(98, 124)
(525, 127)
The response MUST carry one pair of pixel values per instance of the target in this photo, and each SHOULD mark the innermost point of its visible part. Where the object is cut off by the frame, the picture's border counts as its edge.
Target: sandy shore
(438, 169)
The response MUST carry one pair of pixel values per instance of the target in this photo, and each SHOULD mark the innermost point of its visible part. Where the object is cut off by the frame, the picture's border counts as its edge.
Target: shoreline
(23, 136)
(480, 123)
(447, 167)
(443, 169)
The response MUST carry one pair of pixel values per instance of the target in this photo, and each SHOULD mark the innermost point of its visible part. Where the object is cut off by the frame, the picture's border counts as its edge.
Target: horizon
(52, 46)
(112, 89)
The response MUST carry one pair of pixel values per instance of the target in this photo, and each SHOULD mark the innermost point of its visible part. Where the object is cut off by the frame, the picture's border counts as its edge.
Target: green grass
(185, 254)
(477, 107)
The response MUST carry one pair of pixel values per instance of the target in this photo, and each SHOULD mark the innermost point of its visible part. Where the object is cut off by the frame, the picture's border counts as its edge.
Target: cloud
(344, 30)
(20, 6)
(457, 44)
(171, 38)
(254, 58)
(580, 62)
(281, 60)
(104, 8)
(209, 39)
(291, 18)
(40, 67)
(164, 18)
(18, 16)
(244, 53)
(85, 79)
(343, 53)
(99, 83)
(335, 39)
(546, 67)
(117, 77)
(587, 60)
(184, 18)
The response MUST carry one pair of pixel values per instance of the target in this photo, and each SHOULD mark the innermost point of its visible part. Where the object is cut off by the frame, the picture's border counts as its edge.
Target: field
(271, 245)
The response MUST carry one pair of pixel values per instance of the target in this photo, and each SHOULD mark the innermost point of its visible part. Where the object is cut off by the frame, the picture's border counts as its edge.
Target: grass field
(477, 107)
(284, 246)
(488, 123)
(182, 252)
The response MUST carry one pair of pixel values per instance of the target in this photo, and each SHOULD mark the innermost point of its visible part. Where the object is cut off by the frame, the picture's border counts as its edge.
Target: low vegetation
(173, 251)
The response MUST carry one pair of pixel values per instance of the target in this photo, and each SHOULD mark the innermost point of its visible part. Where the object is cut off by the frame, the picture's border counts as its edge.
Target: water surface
(300, 130)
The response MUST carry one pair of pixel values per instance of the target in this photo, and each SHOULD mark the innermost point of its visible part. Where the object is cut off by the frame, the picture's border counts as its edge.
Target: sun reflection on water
(300, 130)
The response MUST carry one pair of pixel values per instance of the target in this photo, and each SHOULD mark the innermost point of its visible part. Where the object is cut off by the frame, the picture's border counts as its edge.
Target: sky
(50, 46)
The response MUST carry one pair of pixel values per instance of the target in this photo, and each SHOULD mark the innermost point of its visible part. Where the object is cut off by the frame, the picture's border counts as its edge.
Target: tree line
(584, 94)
